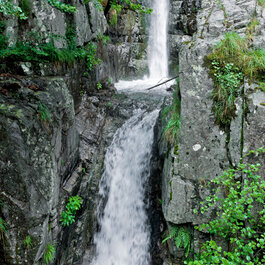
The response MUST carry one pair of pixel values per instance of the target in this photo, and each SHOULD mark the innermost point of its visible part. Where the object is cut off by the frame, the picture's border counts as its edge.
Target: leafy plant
(181, 236)
(8, 8)
(44, 113)
(239, 197)
(49, 253)
(73, 205)
(62, 7)
(28, 242)
(99, 86)
(36, 49)
(3, 228)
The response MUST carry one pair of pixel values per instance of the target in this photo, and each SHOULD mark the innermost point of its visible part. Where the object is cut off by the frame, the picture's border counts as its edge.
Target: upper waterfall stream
(157, 46)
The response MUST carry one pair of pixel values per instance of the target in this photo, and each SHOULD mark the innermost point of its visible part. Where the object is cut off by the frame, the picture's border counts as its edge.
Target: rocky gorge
(57, 120)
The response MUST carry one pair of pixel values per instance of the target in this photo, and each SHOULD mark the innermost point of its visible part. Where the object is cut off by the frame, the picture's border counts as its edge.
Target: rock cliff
(203, 150)
(57, 119)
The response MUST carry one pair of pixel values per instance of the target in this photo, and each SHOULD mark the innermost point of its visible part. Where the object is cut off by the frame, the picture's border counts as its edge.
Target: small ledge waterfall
(124, 236)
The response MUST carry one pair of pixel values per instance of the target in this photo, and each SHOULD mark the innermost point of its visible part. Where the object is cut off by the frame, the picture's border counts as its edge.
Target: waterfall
(157, 52)
(124, 236)
(157, 46)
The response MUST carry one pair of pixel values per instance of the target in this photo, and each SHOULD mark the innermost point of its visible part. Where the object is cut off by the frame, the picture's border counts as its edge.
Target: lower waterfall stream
(124, 237)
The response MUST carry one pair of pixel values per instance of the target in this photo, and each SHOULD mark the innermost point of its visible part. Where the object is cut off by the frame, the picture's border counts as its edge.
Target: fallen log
(162, 83)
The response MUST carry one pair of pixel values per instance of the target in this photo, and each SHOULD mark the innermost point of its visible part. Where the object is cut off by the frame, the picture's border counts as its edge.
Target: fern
(182, 238)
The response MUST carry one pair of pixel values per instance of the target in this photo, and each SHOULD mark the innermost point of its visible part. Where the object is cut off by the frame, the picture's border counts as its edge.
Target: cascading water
(124, 236)
(157, 51)
(157, 46)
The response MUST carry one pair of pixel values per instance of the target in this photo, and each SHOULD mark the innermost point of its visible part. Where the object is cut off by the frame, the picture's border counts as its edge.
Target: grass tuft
(230, 62)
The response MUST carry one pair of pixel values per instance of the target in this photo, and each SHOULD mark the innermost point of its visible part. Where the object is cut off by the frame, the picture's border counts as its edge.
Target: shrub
(239, 197)
(35, 49)
(8, 8)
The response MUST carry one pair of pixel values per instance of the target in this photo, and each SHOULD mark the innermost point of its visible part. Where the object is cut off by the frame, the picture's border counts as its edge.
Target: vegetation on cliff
(239, 197)
(232, 62)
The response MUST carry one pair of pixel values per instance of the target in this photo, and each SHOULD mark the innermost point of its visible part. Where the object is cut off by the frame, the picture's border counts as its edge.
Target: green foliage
(36, 49)
(234, 49)
(28, 242)
(25, 6)
(173, 125)
(73, 205)
(135, 7)
(251, 28)
(49, 254)
(261, 3)
(90, 55)
(182, 238)
(8, 8)
(262, 86)
(103, 38)
(62, 7)
(44, 113)
(230, 62)
(113, 19)
(97, 4)
(227, 84)
(118, 5)
(3, 228)
(99, 86)
(240, 218)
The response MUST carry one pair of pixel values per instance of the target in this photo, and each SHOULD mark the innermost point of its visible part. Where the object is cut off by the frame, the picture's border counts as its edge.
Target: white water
(124, 237)
(157, 52)
(157, 46)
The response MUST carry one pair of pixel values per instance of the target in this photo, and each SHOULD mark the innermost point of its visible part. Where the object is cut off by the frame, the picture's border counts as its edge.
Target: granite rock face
(203, 149)
(39, 147)
(55, 127)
